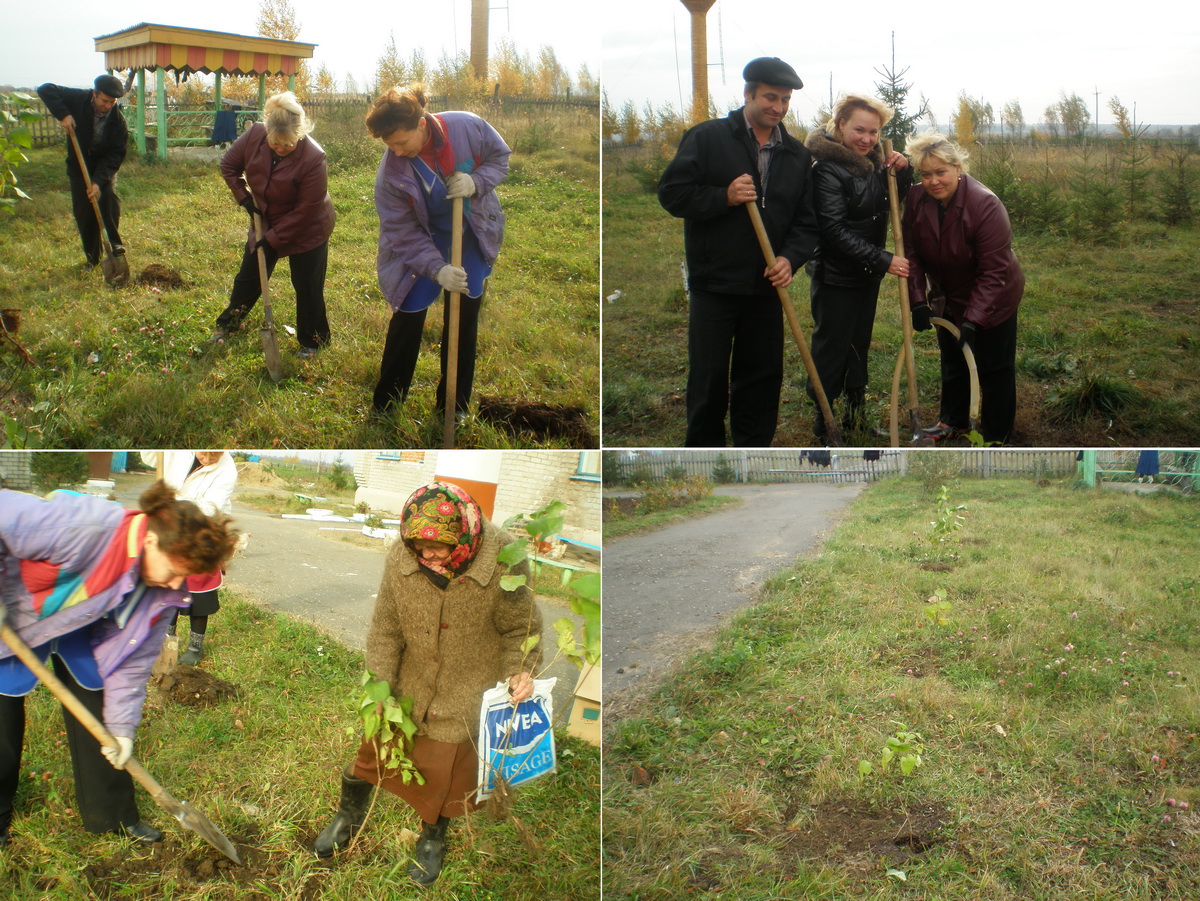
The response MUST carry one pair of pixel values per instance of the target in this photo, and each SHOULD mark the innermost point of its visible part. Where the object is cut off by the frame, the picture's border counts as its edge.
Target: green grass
(1058, 708)
(1123, 312)
(618, 524)
(264, 767)
(158, 383)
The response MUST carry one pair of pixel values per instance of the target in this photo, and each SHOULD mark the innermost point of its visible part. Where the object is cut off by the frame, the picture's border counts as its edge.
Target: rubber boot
(195, 649)
(427, 856)
(356, 793)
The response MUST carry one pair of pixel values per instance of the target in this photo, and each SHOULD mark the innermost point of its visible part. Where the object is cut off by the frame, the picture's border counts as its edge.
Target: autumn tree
(550, 79)
(1121, 117)
(588, 84)
(963, 121)
(1073, 113)
(389, 68)
(629, 124)
(325, 84)
(510, 70)
(1013, 118)
(277, 19)
(1051, 117)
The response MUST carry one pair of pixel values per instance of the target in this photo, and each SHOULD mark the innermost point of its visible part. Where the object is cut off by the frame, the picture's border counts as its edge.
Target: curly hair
(935, 144)
(402, 107)
(204, 543)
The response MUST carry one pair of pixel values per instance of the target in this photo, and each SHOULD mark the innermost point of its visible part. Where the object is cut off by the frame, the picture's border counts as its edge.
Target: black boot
(195, 650)
(356, 793)
(430, 850)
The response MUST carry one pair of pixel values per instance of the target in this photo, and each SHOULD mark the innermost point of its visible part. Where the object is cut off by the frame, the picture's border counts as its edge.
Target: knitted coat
(444, 648)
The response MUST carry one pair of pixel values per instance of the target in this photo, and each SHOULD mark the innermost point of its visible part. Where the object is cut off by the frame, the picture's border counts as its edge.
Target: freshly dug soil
(253, 475)
(190, 686)
(160, 277)
(543, 420)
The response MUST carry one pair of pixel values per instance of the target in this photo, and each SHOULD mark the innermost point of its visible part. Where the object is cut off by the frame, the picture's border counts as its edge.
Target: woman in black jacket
(850, 193)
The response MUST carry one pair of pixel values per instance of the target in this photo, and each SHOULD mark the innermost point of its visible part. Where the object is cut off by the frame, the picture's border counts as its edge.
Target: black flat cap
(110, 85)
(772, 70)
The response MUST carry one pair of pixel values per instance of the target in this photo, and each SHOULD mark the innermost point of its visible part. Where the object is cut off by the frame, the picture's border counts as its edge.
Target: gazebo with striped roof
(166, 48)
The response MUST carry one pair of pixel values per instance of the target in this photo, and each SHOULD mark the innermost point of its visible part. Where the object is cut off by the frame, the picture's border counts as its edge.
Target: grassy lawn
(155, 382)
(1057, 706)
(621, 516)
(1095, 318)
(264, 767)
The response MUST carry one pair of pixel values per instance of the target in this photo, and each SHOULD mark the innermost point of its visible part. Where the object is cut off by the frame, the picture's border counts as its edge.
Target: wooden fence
(837, 465)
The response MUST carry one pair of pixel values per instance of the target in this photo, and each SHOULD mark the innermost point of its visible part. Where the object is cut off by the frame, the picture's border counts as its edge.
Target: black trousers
(308, 278)
(403, 345)
(735, 366)
(996, 359)
(85, 215)
(843, 319)
(104, 795)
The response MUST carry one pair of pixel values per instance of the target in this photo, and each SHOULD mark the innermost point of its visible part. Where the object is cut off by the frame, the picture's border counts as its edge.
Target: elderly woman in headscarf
(959, 243)
(443, 632)
(91, 588)
(850, 193)
(277, 169)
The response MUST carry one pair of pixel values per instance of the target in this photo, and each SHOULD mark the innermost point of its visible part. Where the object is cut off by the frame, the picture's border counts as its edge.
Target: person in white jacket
(208, 479)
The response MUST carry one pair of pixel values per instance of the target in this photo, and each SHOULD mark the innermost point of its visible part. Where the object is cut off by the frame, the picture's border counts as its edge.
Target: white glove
(453, 279)
(459, 184)
(119, 756)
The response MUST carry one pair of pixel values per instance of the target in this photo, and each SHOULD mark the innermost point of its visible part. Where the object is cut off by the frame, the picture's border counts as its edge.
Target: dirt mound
(853, 833)
(160, 277)
(193, 687)
(543, 420)
(255, 475)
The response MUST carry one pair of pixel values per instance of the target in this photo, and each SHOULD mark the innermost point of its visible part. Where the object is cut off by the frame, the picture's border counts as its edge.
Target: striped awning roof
(148, 46)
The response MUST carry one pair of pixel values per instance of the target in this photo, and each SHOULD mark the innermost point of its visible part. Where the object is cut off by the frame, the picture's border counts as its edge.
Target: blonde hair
(402, 107)
(846, 106)
(284, 118)
(935, 144)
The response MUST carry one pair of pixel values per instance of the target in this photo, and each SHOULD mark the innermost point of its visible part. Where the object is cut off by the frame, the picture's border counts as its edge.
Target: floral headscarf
(443, 512)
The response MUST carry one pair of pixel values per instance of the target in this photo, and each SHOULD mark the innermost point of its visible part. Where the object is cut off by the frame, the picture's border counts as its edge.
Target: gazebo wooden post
(160, 75)
(141, 104)
(217, 92)
(292, 82)
(262, 91)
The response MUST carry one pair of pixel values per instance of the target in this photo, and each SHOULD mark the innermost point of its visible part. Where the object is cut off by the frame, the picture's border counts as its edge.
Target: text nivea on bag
(515, 744)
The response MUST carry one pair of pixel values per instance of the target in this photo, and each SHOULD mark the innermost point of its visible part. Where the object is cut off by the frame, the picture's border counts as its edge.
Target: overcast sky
(56, 42)
(1028, 50)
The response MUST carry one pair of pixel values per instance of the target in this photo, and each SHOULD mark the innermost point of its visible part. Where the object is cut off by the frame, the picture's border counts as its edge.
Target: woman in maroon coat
(288, 185)
(959, 240)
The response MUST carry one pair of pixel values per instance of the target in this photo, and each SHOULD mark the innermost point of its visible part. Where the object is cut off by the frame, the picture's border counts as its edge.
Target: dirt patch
(618, 507)
(543, 420)
(157, 276)
(857, 835)
(191, 686)
(934, 567)
(142, 874)
(255, 475)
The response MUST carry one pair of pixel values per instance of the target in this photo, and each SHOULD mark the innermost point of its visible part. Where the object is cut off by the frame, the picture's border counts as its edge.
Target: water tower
(699, 10)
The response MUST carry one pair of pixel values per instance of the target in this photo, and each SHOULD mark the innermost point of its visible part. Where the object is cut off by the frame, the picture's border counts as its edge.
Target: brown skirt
(451, 774)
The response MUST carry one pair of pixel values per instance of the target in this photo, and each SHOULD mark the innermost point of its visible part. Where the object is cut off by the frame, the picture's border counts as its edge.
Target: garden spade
(972, 372)
(789, 311)
(115, 268)
(187, 815)
(267, 332)
(451, 339)
(914, 407)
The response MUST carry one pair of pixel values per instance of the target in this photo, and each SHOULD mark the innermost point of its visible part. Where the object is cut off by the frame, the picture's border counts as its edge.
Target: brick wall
(15, 470)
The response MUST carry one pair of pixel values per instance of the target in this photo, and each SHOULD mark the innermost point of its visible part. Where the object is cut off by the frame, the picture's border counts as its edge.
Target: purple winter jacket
(406, 248)
(73, 531)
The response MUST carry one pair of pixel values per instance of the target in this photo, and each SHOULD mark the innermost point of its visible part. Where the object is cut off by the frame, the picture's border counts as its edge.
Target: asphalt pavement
(666, 593)
(299, 568)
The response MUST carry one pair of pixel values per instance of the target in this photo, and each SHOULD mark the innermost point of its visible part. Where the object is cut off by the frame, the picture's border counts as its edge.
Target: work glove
(966, 335)
(920, 317)
(119, 756)
(453, 279)
(459, 184)
(248, 203)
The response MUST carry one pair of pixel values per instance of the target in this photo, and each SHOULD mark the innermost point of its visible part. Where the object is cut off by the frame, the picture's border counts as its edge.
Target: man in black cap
(735, 321)
(96, 119)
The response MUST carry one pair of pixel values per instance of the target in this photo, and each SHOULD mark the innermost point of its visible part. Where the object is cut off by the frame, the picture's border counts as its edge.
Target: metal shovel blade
(190, 818)
(115, 269)
(271, 353)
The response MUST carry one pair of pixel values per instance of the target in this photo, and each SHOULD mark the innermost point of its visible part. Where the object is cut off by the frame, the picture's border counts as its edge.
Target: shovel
(973, 374)
(789, 311)
(115, 268)
(914, 407)
(267, 332)
(187, 815)
(456, 218)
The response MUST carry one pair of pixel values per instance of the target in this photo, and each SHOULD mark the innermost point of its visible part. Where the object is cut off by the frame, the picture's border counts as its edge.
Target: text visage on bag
(515, 744)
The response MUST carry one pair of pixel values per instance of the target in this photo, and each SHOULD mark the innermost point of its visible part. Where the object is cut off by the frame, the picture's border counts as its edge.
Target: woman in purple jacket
(91, 587)
(431, 159)
(958, 237)
(285, 169)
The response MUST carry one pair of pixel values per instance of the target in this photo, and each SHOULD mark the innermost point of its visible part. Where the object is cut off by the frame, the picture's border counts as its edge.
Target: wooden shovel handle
(905, 307)
(87, 180)
(451, 339)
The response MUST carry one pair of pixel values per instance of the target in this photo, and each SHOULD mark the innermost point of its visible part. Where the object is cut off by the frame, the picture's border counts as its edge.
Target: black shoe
(942, 432)
(307, 353)
(118, 250)
(140, 832)
(351, 810)
(430, 852)
(5, 837)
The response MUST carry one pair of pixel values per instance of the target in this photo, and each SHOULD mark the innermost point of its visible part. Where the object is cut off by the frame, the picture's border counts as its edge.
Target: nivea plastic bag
(515, 743)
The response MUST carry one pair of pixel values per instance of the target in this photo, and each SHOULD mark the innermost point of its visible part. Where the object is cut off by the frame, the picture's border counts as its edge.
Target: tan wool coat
(444, 648)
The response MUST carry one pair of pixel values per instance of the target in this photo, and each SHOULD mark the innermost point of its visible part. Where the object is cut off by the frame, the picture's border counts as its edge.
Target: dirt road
(667, 593)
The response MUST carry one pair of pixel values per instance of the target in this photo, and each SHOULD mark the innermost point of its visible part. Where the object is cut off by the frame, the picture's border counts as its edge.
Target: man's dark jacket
(104, 155)
(723, 253)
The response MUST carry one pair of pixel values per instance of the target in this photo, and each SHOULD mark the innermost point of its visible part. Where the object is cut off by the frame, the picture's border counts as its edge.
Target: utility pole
(1097, 112)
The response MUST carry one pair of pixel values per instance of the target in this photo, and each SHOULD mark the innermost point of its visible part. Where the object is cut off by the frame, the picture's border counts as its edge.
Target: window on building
(588, 468)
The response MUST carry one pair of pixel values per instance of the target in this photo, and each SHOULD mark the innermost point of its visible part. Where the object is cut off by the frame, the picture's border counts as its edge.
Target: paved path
(667, 592)
(300, 568)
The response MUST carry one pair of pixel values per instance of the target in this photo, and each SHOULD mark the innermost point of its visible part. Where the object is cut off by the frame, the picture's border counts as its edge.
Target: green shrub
(58, 470)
